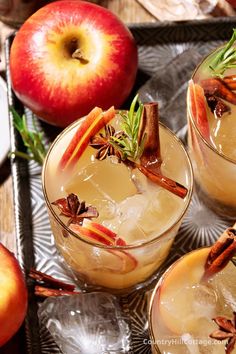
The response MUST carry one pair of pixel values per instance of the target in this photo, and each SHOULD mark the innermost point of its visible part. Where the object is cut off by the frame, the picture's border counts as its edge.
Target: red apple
(13, 295)
(70, 56)
(232, 3)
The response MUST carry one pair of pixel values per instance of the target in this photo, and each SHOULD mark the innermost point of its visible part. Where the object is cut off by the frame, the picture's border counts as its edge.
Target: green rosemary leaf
(141, 146)
(225, 58)
(33, 140)
(117, 141)
(127, 143)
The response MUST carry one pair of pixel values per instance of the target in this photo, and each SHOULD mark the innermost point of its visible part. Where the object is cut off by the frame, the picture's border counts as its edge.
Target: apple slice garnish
(90, 126)
(198, 108)
(92, 231)
(175, 295)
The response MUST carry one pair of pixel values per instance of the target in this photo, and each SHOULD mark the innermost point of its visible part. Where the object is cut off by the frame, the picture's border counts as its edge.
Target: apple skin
(198, 108)
(187, 271)
(103, 235)
(94, 122)
(58, 87)
(13, 295)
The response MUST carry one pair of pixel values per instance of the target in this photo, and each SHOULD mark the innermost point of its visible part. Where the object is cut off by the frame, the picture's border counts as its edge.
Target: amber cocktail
(192, 309)
(122, 232)
(211, 105)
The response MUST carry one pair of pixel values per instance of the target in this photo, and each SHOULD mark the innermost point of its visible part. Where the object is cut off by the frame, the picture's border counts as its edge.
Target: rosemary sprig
(33, 140)
(225, 58)
(127, 143)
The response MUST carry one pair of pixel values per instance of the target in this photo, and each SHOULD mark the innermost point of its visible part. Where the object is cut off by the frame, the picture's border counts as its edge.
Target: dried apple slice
(175, 295)
(198, 108)
(127, 262)
(90, 126)
(99, 233)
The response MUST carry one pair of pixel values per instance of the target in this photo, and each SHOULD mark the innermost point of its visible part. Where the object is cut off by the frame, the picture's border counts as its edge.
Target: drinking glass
(182, 307)
(214, 168)
(117, 268)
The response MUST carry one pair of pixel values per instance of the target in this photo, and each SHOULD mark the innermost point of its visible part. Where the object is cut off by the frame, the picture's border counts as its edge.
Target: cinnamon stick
(149, 128)
(165, 182)
(49, 280)
(221, 253)
(230, 81)
(150, 160)
(218, 87)
(47, 292)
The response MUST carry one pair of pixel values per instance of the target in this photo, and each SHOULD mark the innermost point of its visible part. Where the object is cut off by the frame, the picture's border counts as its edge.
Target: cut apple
(198, 108)
(176, 292)
(96, 232)
(90, 126)
(127, 261)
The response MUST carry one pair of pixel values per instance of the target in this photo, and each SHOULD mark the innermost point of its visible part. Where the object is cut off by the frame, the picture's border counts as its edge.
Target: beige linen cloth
(177, 10)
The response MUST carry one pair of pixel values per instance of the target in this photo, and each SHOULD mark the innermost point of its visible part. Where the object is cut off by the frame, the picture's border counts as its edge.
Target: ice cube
(205, 300)
(89, 323)
(102, 180)
(161, 211)
(126, 221)
(226, 289)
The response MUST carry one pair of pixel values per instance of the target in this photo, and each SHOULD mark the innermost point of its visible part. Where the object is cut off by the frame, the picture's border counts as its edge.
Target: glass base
(146, 285)
(82, 282)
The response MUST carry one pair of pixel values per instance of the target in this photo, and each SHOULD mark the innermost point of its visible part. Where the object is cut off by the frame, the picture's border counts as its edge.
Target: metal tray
(158, 46)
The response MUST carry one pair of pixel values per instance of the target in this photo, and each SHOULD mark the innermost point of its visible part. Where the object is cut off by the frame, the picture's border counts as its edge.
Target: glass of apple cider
(121, 248)
(194, 301)
(211, 110)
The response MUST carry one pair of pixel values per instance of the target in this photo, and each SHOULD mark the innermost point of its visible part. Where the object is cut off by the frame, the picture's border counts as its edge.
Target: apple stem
(78, 54)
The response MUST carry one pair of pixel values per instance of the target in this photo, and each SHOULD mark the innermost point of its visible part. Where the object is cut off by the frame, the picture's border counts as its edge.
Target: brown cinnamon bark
(230, 81)
(221, 253)
(150, 160)
(47, 292)
(165, 182)
(49, 280)
(149, 128)
(217, 87)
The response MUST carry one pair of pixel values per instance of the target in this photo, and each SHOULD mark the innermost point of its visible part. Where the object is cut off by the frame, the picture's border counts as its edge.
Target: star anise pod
(227, 330)
(74, 209)
(104, 145)
(216, 105)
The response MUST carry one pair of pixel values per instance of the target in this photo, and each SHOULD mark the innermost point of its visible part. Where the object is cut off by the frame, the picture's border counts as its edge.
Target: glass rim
(120, 247)
(210, 146)
(154, 294)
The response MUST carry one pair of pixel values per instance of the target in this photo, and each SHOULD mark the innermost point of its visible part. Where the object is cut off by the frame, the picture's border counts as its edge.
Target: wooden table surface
(129, 11)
